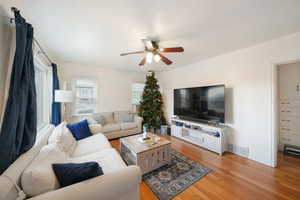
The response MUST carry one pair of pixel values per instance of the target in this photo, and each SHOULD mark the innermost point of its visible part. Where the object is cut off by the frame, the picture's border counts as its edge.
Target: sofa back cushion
(123, 116)
(99, 118)
(108, 116)
(39, 177)
(63, 138)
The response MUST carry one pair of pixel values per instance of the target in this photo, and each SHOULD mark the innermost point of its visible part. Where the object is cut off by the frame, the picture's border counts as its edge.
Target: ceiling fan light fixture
(154, 53)
(149, 57)
(157, 58)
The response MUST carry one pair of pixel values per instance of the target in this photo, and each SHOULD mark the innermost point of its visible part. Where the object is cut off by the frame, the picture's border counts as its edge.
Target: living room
(118, 114)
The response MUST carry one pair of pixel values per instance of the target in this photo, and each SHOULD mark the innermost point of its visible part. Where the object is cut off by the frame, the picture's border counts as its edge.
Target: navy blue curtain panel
(18, 131)
(56, 115)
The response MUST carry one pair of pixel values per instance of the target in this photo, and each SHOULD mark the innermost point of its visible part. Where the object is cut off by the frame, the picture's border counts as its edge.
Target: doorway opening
(287, 113)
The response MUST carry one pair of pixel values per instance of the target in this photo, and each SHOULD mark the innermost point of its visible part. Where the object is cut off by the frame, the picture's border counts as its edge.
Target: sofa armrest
(120, 185)
(139, 121)
(95, 128)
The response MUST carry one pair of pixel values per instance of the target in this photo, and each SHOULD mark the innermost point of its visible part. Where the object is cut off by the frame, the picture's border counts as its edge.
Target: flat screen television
(203, 104)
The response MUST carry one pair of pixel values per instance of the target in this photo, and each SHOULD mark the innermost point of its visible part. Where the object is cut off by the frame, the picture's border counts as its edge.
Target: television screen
(200, 103)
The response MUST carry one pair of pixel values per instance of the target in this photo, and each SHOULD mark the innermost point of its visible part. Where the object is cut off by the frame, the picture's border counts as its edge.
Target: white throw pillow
(67, 140)
(63, 137)
(39, 177)
(54, 137)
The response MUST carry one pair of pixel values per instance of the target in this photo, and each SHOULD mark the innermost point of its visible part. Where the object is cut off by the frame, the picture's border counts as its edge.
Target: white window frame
(75, 92)
(47, 91)
(137, 93)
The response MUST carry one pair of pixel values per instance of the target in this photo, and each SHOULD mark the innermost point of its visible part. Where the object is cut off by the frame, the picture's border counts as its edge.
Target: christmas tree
(151, 105)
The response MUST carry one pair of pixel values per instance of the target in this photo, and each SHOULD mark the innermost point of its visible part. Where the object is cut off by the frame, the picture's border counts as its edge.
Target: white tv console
(211, 137)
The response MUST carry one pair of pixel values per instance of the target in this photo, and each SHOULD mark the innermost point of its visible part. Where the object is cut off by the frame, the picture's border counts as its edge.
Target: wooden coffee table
(148, 155)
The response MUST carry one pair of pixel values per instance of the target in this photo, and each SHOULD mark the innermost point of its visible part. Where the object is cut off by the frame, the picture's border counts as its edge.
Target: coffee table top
(134, 143)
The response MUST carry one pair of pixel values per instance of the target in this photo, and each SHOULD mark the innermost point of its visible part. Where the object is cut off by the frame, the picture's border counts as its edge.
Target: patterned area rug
(170, 180)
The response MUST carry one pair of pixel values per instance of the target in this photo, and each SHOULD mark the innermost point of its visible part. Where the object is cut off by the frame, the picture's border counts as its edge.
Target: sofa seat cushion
(111, 127)
(128, 125)
(91, 144)
(108, 159)
(39, 177)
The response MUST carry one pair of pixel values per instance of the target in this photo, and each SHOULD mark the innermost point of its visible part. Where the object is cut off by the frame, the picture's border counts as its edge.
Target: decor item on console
(151, 108)
(145, 130)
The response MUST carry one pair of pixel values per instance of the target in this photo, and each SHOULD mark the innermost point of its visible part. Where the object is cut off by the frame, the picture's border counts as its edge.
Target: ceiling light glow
(149, 57)
(156, 58)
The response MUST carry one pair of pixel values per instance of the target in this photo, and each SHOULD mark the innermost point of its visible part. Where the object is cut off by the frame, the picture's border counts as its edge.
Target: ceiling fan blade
(143, 61)
(164, 59)
(172, 49)
(129, 53)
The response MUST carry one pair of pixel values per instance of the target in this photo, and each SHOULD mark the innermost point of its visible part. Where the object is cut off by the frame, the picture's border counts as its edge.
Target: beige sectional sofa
(33, 170)
(112, 124)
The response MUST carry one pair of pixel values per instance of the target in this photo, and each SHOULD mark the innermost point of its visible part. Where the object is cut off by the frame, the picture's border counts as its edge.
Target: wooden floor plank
(235, 177)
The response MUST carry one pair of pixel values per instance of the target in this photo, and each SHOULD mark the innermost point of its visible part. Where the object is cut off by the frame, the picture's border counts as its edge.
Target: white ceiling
(95, 32)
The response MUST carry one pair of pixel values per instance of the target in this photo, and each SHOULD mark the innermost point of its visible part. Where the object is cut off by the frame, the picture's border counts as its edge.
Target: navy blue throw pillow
(80, 130)
(71, 173)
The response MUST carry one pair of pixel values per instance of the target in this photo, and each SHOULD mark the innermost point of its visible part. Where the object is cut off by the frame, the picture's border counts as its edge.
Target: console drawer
(290, 125)
(286, 111)
(290, 139)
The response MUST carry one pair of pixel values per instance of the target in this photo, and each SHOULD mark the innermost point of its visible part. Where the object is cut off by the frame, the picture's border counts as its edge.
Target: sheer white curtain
(9, 68)
(43, 78)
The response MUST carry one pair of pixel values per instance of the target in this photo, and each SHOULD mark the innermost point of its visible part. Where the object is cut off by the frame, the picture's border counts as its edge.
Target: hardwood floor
(234, 177)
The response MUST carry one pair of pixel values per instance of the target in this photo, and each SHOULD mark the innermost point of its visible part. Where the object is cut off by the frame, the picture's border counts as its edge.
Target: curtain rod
(13, 9)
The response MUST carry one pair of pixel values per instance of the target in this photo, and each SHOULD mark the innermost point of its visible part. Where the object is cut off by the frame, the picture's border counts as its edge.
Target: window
(137, 93)
(85, 91)
(43, 80)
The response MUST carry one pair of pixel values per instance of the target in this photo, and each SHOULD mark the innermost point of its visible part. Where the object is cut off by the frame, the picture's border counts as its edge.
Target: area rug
(170, 180)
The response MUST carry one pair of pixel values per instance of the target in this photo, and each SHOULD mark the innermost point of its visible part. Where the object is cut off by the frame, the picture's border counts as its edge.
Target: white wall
(247, 75)
(114, 86)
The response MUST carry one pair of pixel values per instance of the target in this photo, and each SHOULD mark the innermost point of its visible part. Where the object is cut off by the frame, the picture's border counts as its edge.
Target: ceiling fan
(154, 52)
